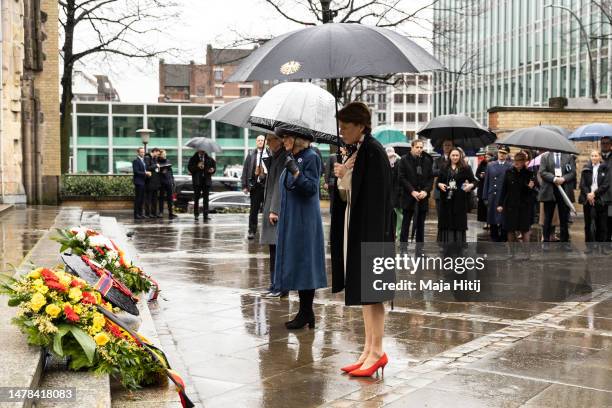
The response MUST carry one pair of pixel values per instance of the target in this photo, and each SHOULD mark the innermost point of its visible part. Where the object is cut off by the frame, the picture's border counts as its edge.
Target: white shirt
(594, 185)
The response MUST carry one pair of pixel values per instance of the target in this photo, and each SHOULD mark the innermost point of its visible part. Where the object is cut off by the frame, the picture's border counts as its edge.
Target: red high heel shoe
(351, 367)
(368, 372)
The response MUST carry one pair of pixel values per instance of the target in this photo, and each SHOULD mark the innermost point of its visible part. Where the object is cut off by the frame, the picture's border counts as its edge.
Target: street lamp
(145, 136)
(588, 46)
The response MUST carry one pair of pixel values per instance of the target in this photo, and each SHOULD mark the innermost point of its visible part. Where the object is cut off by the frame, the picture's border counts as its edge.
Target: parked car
(184, 188)
(226, 200)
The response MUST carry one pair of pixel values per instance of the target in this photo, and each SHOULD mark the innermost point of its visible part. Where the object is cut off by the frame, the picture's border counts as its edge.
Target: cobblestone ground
(232, 346)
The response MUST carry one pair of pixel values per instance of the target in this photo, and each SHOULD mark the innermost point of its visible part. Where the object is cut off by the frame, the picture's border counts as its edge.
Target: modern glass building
(518, 53)
(104, 138)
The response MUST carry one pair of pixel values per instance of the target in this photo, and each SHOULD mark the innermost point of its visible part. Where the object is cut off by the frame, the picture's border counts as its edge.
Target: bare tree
(106, 28)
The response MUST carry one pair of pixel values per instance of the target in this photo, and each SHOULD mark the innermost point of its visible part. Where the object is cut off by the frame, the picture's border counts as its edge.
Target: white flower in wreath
(90, 253)
(81, 236)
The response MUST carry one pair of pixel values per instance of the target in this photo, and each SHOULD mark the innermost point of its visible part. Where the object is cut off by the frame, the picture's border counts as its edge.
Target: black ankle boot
(301, 320)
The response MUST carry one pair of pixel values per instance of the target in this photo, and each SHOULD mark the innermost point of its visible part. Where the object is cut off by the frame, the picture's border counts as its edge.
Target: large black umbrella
(335, 50)
(540, 138)
(462, 130)
(561, 130)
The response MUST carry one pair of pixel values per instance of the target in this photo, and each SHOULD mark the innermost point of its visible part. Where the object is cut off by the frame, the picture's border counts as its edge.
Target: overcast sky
(216, 22)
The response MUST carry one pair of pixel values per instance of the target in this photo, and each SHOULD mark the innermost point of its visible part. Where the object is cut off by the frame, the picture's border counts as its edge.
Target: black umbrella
(332, 51)
(464, 131)
(540, 138)
(561, 130)
(335, 50)
(111, 289)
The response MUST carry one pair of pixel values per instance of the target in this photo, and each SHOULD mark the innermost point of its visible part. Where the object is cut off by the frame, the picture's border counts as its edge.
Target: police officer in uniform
(494, 180)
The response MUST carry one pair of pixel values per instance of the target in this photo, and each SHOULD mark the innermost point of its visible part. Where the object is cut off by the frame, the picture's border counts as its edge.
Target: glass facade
(517, 53)
(104, 139)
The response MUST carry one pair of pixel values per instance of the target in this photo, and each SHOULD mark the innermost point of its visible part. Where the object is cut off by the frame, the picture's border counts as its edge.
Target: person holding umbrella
(556, 170)
(594, 184)
(201, 167)
(480, 175)
(493, 182)
(455, 183)
(362, 213)
(300, 252)
(514, 200)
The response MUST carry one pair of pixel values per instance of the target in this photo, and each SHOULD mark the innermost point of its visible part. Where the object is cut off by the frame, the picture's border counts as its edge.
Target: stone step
(23, 364)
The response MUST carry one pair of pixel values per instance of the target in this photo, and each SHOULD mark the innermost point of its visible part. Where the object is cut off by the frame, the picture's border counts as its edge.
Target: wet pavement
(234, 350)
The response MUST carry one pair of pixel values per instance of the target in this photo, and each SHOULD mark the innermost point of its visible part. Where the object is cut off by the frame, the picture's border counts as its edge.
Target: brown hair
(357, 113)
(462, 164)
(520, 156)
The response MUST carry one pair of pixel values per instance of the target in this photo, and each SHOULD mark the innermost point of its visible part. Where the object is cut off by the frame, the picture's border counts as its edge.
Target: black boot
(305, 315)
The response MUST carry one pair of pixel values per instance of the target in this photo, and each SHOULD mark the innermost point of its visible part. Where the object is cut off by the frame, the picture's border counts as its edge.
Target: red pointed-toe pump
(368, 372)
(352, 367)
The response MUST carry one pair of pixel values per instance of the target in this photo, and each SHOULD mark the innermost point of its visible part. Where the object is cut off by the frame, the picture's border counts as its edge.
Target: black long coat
(453, 211)
(201, 177)
(517, 200)
(480, 176)
(154, 181)
(370, 218)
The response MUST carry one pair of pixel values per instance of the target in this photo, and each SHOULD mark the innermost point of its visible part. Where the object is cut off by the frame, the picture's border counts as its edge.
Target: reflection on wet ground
(236, 352)
(20, 229)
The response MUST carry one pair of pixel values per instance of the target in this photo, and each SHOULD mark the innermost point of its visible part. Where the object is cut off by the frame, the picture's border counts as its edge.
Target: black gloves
(291, 165)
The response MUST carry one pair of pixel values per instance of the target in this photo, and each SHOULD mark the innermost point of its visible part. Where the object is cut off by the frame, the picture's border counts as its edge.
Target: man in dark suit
(606, 157)
(140, 174)
(201, 167)
(254, 172)
(556, 169)
(415, 176)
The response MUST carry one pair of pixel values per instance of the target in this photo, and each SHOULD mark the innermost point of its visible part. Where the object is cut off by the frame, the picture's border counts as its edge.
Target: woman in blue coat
(300, 253)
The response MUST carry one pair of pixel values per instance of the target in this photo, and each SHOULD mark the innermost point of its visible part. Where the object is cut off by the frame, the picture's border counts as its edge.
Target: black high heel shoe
(300, 321)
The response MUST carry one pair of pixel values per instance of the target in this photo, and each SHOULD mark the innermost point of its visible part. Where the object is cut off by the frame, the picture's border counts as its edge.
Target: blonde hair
(301, 143)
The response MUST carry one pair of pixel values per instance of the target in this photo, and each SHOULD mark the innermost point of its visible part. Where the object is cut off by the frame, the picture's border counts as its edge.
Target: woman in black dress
(455, 182)
(515, 201)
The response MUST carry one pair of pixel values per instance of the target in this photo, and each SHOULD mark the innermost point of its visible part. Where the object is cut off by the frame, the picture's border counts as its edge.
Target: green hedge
(96, 186)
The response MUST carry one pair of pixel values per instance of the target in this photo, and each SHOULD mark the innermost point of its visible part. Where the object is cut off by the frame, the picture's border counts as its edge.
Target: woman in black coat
(515, 200)
(594, 208)
(166, 179)
(361, 213)
(455, 182)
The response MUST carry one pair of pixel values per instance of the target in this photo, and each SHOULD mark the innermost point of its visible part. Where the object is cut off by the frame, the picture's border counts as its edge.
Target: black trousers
(272, 265)
(139, 198)
(200, 191)
(257, 198)
(419, 223)
(165, 194)
(151, 198)
(597, 217)
(609, 230)
(549, 210)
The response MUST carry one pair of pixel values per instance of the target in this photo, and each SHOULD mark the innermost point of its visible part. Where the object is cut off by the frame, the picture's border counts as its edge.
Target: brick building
(29, 102)
(204, 83)
(86, 87)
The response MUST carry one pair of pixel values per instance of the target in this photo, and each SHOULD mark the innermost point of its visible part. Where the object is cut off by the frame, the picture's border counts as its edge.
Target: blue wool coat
(300, 251)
